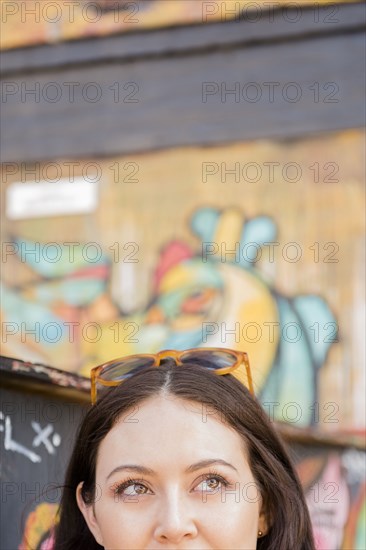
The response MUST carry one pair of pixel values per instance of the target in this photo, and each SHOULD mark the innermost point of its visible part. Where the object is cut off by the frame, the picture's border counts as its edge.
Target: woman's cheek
(121, 524)
(233, 521)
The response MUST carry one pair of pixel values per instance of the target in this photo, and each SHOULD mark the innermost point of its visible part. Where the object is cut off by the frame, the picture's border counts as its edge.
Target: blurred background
(184, 174)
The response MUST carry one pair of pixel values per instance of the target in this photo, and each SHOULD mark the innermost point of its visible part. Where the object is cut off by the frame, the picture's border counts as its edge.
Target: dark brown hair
(272, 469)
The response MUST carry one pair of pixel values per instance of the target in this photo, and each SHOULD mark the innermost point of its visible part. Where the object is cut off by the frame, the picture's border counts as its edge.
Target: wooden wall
(148, 91)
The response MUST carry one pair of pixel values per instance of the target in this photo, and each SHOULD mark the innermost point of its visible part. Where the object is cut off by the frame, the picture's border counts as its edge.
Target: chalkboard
(40, 411)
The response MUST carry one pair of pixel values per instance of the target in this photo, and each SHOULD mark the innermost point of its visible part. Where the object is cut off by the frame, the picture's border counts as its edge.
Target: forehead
(166, 429)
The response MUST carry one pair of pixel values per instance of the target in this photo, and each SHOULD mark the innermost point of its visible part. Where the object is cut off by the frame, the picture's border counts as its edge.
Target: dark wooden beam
(260, 26)
(177, 93)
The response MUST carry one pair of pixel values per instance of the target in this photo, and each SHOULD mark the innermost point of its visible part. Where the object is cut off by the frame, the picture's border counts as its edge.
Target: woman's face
(171, 475)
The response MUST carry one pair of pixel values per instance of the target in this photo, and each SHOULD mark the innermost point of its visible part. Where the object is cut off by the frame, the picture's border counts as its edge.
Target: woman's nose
(175, 521)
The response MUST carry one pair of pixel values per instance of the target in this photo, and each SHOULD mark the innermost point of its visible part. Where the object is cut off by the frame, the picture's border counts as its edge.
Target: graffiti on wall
(261, 256)
(198, 300)
(335, 489)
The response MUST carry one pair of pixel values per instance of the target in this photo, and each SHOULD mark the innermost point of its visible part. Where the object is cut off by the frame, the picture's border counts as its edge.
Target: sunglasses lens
(121, 369)
(210, 359)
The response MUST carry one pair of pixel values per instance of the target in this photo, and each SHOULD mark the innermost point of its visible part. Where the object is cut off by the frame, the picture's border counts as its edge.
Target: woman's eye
(131, 488)
(136, 488)
(211, 484)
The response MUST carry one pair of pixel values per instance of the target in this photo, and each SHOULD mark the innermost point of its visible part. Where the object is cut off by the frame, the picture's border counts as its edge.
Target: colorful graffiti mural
(215, 260)
(39, 525)
(196, 298)
(335, 485)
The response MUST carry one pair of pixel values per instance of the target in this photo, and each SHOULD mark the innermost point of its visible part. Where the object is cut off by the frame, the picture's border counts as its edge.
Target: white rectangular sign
(44, 198)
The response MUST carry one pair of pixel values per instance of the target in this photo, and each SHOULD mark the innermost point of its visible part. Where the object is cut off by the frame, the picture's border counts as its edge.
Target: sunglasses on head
(218, 360)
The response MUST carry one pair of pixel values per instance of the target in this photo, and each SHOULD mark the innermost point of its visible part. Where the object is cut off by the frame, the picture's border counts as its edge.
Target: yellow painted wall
(32, 22)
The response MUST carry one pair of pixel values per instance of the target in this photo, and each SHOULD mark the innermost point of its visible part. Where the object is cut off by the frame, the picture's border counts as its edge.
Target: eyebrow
(192, 468)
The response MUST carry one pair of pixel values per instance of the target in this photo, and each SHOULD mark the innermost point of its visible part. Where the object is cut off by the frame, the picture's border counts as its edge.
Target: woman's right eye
(135, 488)
(130, 488)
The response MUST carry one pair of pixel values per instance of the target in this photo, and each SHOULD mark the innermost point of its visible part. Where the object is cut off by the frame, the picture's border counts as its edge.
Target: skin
(173, 508)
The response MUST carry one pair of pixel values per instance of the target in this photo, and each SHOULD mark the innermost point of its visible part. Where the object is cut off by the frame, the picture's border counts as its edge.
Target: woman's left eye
(212, 483)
